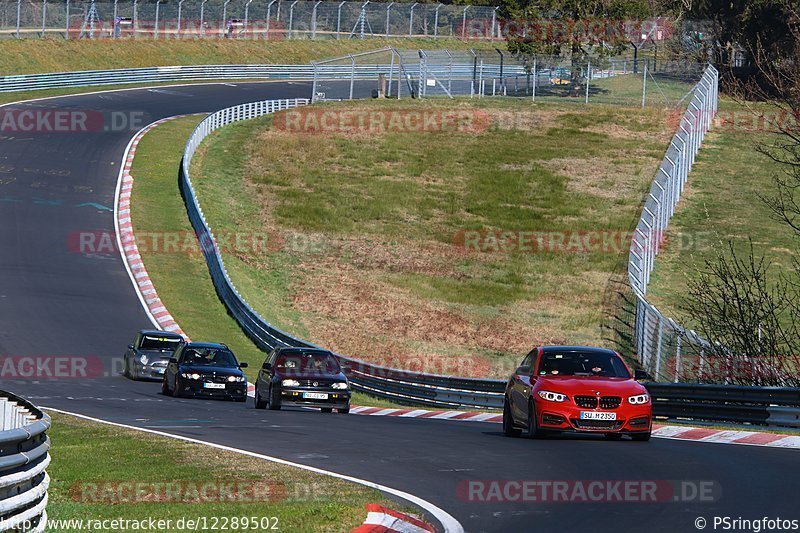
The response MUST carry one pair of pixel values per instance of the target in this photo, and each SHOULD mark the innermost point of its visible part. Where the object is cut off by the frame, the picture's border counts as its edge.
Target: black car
(147, 357)
(205, 369)
(302, 377)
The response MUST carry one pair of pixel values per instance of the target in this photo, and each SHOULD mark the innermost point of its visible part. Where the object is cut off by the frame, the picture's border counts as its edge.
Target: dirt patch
(603, 177)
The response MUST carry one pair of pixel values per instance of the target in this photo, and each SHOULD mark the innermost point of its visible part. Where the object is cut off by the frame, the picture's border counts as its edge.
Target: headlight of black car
(342, 385)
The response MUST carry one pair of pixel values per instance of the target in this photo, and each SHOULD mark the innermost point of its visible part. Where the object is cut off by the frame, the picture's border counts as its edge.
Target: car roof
(160, 333)
(206, 345)
(584, 349)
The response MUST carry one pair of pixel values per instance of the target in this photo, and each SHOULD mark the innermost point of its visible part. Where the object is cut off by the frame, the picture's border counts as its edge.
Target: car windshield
(601, 364)
(160, 343)
(209, 357)
(308, 363)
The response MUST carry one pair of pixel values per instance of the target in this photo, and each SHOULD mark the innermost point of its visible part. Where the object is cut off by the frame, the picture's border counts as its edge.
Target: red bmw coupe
(576, 388)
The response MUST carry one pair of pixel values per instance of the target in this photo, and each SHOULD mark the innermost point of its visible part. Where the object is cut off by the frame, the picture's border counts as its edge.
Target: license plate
(315, 395)
(214, 385)
(596, 415)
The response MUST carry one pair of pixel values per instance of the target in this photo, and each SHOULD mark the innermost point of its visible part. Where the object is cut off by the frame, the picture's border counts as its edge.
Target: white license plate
(315, 395)
(214, 385)
(596, 415)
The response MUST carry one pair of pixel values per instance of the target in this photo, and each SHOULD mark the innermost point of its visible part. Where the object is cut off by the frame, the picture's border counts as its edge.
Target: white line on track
(449, 523)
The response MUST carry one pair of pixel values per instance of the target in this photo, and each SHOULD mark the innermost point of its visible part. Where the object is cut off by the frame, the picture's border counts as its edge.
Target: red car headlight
(553, 396)
(639, 399)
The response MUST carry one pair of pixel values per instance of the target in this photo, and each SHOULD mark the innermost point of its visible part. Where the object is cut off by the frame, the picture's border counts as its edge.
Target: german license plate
(315, 395)
(596, 415)
(214, 385)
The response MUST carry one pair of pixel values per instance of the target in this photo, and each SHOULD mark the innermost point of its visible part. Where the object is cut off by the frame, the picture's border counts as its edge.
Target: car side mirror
(243, 365)
(266, 366)
(523, 370)
(130, 346)
(173, 360)
(641, 375)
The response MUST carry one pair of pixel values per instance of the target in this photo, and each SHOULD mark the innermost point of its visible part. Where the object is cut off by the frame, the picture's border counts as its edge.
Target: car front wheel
(176, 391)
(164, 387)
(344, 410)
(642, 437)
(533, 423)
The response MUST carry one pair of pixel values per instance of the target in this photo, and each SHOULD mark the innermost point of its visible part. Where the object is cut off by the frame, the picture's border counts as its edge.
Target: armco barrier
(24, 456)
(26, 82)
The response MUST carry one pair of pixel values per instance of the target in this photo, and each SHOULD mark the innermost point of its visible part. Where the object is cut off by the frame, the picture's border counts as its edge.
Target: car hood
(591, 385)
(316, 377)
(206, 370)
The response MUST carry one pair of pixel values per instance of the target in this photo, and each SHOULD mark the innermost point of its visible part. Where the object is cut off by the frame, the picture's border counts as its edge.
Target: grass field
(369, 260)
(29, 56)
(92, 463)
(182, 279)
(721, 204)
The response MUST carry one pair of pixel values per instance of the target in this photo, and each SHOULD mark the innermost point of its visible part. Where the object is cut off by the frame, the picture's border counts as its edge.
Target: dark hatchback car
(149, 354)
(302, 377)
(205, 370)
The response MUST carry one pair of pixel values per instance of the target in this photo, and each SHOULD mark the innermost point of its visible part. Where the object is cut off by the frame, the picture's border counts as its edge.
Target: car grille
(597, 424)
(214, 379)
(610, 402)
(311, 383)
(587, 402)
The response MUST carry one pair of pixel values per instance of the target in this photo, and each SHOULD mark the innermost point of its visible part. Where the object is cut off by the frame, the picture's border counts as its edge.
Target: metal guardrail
(660, 342)
(24, 456)
(27, 82)
(770, 406)
(398, 385)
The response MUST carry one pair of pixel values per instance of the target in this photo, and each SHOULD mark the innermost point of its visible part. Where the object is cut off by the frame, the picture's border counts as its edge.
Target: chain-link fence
(245, 19)
(664, 348)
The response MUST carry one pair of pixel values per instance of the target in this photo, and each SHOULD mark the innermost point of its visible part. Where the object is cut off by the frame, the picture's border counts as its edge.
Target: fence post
(677, 357)
(269, 10)
(44, 15)
(66, 10)
(202, 17)
(314, 83)
(411, 19)
(246, 15)
(588, 79)
(352, 72)
(155, 33)
(291, 18)
(388, 11)
(314, 20)
(535, 79)
(180, 8)
(339, 18)
(644, 85)
(19, 14)
(391, 74)
(464, 23)
(223, 29)
(658, 345)
(436, 21)
(494, 22)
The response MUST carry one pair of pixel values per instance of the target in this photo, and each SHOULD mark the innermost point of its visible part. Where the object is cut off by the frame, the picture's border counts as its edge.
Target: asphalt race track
(54, 301)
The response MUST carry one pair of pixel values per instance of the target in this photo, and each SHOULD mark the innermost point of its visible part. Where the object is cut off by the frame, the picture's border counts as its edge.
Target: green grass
(90, 458)
(367, 263)
(721, 204)
(30, 56)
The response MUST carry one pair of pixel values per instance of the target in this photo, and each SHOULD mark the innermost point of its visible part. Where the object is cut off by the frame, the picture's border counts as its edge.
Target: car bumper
(231, 390)
(629, 419)
(336, 399)
(150, 371)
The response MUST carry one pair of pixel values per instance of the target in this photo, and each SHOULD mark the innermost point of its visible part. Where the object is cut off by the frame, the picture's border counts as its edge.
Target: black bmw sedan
(302, 377)
(207, 370)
